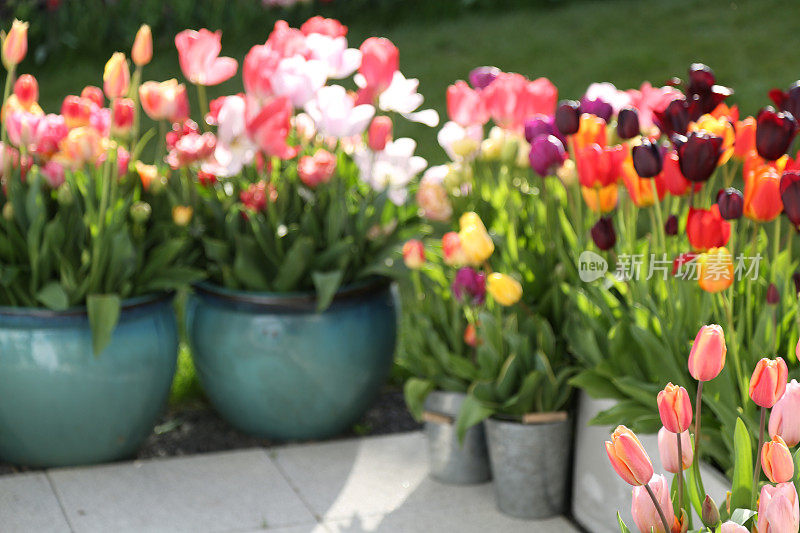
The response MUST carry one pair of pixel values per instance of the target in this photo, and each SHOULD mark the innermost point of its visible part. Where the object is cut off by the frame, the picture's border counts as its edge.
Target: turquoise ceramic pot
(275, 368)
(62, 405)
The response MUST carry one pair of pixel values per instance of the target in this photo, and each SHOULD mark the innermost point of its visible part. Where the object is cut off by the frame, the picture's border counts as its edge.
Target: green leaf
(295, 264)
(247, 267)
(326, 283)
(797, 469)
(53, 296)
(741, 516)
(103, 312)
(742, 480)
(622, 526)
(472, 413)
(415, 391)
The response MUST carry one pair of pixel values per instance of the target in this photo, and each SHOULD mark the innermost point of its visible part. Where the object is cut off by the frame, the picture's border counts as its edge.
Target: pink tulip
(511, 98)
(414, 254)
(380, 132)
(668, 450)
(269, 127)
(778, 510)
(53, 173)
(21, 128)
(100, 120)
(15, 44)
(287, 41)
(776, 460)
(628, 457)
(465, 106)
(198, 54)
(336, 115)
(321, 25)
(93, 94)
(165, 101)
(733, 527)
(675, 408)
(380, 59)
(768, 382)
(784, 419)
(49, 133)
(77, 111)
(317, 169)
(644, 512)
(259, 67)
(707, 357)
(26, 90)
(299, 79)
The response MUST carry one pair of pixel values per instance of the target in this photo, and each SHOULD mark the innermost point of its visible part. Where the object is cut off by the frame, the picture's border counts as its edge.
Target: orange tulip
(182, 215)
(592, 130)
(776, 460)
(82, 145)
(675, 408)
(628, 457)
(707, 357)
(729, 113)
(768, 382)
(147, 173)
(641, 189)
(762, 194)
(599, 166)
(15, 44)
(600, 199)
(745, 138)
(414, 254)
(721, 127)
(116, 76)
(142, 51)
(715, 270)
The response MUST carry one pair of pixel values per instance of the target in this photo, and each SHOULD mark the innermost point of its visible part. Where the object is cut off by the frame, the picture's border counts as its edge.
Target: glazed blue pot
(275, 368)
(60, 405)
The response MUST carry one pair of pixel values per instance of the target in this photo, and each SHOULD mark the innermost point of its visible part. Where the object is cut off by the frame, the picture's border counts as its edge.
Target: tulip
(182, 215)
(675, 408)
(147, 174)
(787, 100)
(324, 26)
(379, 133)
(707, 356)
(475, 241)
(380, 59)
(469, 286)
(674, 118)
(591, 130)
(784, 419)
(93, 94)
(317, 169)
(122, 113)
(640, 189)
(709, 513)
(198, 55)
(482, 77)
(721, 127)
(116, 76)
(15, 44)
(82, 146)
(504, 289)
(26, 89)
(603, 233)
(672, 177)
(762, 196)
(776, 460)
(513, 98)
(645, 514)
(568, 117)
(414, 254)
(142, 51)
(774, 132)
(599, 166)
(53, 173)
(707, 229)
(628, 123)
(165, 101)
(256, 196)
(768, 382)
(701, 78)
(647, 158)
(628, 457)
(698, 155)
(778, 510)
(773, 296)
(451, 249)
(668, 450)
(542, 125)
(731, 203)
(716, 270)
(471, 335)
(547, 155)
(745, 142)
(269, 128)
(733, 527)
(790, 196)
(597, 107)
(671, 226)
(602, 199)
(465, 106)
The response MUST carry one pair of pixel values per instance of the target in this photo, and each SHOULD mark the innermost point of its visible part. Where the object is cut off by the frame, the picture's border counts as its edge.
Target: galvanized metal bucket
(450, 461)
(530, 463)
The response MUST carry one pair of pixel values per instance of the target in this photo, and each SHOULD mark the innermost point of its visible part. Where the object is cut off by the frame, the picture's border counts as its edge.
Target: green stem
(659, 215)
(757, 470)
(204, 109)
(776, 246)
(696, 460)
(137, 80)
(680, 472)
(4, 132)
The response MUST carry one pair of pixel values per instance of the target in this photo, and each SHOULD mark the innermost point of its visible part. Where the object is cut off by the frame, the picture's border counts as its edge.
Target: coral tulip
(706, 228)
(745, 138)
(317, 169)
(511, 98)
(784, 419)
(504, 289)
(379, 133)
(26, 90)
(324, 26)
(414, 254)
(731, 203)
(603, 233)
(165, 101)
(707, 356)
(547, 154)
(469, 286)
(644, 512)
(774, 132)
(628, 457)
(698, 155)
(762, 194)
(790, 196)
(465, 105)
(116, 76)
(482, 77)
(15, 44)
(628, 123)
(776, 460)
(647, 158)
(601, 199)
(675, 408)
(198, 55)
(142, 51)
(93, 94)
(716, 270)
(768, 382)
(778, 510)
(451, 249)
(668, 451)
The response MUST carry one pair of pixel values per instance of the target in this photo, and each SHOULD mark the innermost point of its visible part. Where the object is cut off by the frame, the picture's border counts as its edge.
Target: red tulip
(198, 55)
(270, 125)
(414, 254)
(324, 26)
(317, 169)
(790, 196)
(379, 133)
(768, 382)
(599, 166)
(707, 229)
(673, 180)
(745, 138)
(94, 94)
(122, 113)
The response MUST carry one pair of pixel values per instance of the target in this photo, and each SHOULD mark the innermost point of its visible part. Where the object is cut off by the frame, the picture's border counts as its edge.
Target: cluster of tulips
(652, 507)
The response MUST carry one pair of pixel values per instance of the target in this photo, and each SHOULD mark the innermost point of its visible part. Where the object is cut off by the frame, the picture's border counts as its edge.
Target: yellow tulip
(182, 215)
(116, 76)
(504, 289)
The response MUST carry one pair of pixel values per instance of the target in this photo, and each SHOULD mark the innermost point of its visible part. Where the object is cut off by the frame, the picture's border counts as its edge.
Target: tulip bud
(568, 117)
(628, 123)
(628, 457)
(698, 155)
(8, 211)
(469, 286)
(504, 289)
(26, 90)
(774, 132)
(546, 155)
(380, 132)
(710, 513)
(93, 94)
(452, 251)
(776, 460)
(182, 215)
(414, 254)
(731, 203)
(471, 335)
(15, 44)
(790, 196)
(140, 212)
(482, 77)
(671, 226)
(603, 234)
(142, 51)
(64, 195)
(707, 357)
(768, 382)
(773, 296)
(668, 451)
(647, 159)
(675, 408)
(116, 76)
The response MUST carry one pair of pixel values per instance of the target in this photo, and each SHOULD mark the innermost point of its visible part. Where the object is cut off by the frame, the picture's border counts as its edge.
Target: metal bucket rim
(506, 419)
(128, 304)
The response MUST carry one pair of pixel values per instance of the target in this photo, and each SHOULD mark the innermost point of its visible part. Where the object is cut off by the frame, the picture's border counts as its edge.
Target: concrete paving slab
(28, 505)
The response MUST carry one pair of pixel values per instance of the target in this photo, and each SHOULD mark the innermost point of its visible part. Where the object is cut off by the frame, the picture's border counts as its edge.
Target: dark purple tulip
(796, 280)
(597, 107)
(603, 233)
(628, 123)
(701, 78)
(698, 155)
(790, 195)
(481, 77)
(547, 154)
(470, 285)
(773, 296)
(647, 158)
(731, 203)
(674, 118)
(700, 104)
(774, 132)
(788, 100)
(568, 117)
(542, 125)
(671, 226)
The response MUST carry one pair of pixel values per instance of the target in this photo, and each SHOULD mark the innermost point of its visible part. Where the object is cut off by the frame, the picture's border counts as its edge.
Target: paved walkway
(375, 484)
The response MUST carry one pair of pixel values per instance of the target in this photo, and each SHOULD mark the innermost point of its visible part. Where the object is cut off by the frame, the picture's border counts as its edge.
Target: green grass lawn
(749, 44)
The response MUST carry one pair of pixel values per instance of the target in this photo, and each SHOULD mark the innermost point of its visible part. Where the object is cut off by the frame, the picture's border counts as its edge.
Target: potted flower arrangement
(299, 198)
(88, 262)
